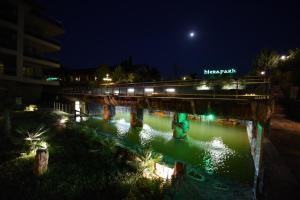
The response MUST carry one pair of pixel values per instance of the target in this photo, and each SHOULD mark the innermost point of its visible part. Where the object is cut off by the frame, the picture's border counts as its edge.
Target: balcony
(41, 60)
(28, 80)
(43, 25)
(42, 44)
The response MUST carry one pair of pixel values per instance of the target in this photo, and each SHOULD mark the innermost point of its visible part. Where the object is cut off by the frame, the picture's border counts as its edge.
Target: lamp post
(107, 79)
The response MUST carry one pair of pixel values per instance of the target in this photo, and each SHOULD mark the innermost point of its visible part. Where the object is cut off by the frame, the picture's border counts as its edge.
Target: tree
(119, 74)
(175, 69)
(101, 72)
(266, 60)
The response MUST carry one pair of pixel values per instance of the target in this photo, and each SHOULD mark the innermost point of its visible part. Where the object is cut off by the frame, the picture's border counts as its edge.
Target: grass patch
(82, 165)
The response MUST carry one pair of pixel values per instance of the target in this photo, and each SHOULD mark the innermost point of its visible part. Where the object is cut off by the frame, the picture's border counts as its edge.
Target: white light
(77, 105)
(203, 87)
(283, 57)
(77, 110)
(170, 90)
(262, 73)
(130, 90)
(107, 78)
(163, 171)
(192, 34)
(63, 120)
(117, 92)
(149, 90)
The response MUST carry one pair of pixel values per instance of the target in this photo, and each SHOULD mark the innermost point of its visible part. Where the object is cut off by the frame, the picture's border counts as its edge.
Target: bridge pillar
(256, 132)
(136, 117)
(108, 112)
(180, 125)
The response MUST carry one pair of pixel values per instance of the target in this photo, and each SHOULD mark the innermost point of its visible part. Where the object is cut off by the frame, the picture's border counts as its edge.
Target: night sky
(227, 34)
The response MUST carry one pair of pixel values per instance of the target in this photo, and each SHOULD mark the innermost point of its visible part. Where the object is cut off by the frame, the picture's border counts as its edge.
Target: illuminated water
(211, 148)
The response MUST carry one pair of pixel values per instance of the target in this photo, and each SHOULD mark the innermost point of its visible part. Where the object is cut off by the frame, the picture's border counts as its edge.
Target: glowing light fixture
(52, 79)
(283, 57)
(116, 92)
(31, 108)
(107, 78)
(130, 90)
(63, 120)
(262, 73)
(203, 87)
(149, 90)
(170, 90)
(210, 117)
(163, 171)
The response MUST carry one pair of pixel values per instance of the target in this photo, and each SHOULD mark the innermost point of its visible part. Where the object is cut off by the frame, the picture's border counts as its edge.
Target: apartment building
(27, 43)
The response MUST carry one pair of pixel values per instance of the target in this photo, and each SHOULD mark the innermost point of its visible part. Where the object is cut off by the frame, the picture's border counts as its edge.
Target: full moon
(192, 34)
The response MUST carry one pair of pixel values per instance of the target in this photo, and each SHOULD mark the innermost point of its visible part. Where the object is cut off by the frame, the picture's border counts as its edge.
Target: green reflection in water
(215, 149)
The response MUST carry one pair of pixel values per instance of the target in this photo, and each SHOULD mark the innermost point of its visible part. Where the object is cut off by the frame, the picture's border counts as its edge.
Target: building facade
(27, 40)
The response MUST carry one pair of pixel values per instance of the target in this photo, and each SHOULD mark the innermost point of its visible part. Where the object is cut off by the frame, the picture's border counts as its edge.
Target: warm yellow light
(163, 171)
(31, 108)
(107, 78)
(283, 57)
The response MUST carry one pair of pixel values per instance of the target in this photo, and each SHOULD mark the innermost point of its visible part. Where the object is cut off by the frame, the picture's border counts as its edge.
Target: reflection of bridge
(246, 99)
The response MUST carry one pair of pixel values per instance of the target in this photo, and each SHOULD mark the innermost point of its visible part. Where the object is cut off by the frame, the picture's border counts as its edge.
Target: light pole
(107, 79)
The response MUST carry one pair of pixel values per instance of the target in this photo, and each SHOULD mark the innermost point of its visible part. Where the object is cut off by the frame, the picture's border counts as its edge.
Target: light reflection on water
(215, 149)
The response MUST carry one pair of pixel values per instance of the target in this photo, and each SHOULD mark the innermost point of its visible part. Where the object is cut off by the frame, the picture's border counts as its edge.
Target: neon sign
(221, 71)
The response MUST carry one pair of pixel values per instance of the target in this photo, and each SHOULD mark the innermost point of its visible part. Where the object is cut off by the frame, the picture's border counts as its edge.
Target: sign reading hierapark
(220, 71)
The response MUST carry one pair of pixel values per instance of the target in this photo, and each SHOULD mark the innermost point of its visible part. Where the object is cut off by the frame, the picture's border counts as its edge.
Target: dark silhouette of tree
(175, 69)
(267, 59)
(101, 72)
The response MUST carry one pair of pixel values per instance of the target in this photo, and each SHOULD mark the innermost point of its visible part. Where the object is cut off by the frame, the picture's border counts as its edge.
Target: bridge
(245, 99)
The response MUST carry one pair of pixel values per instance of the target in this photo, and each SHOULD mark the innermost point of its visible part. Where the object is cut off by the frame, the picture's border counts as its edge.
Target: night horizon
(227, 34)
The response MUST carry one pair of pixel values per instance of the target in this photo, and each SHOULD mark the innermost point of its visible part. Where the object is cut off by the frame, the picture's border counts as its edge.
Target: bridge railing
(232, 89)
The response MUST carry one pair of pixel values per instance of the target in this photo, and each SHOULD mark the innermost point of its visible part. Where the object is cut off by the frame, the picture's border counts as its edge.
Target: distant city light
(170, 90)
(130, 90)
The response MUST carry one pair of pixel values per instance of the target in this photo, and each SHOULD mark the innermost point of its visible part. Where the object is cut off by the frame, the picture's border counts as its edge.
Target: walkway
(282, 159)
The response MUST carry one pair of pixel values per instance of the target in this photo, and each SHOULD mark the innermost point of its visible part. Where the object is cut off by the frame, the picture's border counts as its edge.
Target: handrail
(181, 90)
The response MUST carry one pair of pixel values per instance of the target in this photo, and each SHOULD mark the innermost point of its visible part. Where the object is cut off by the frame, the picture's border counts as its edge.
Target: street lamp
(283, 57)
(107, 78)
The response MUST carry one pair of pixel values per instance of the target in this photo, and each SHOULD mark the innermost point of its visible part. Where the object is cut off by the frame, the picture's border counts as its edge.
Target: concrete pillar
(20, 41)
(136, 117)
(179, 169)
(259, 132)
(180, 125)
(108, 112)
